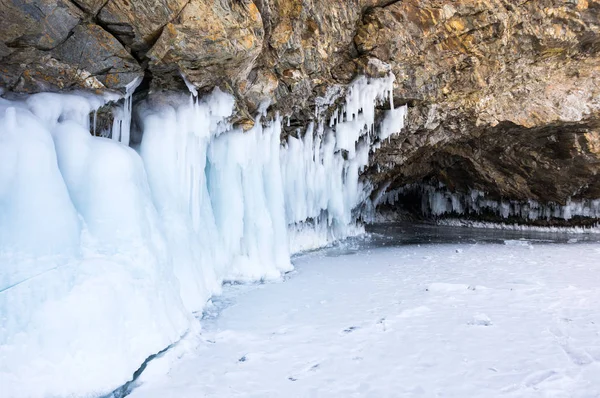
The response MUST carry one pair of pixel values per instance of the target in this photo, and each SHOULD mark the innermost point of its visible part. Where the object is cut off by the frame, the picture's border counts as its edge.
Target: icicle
(117, 124)
(121, 130)
(393, 122)
(190, 86)
(439, 201)
(263, 107)
(10, 120)
(319, 183)
(391, 92)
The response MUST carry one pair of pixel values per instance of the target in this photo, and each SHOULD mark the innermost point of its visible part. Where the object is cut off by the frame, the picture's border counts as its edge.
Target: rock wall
(503, 94)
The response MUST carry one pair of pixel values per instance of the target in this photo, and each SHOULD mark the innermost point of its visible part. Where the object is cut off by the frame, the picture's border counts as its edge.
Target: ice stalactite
(107, 251)
(439, 201)
(219, 192)
(321, 169)
(121, 129)
(393, 122)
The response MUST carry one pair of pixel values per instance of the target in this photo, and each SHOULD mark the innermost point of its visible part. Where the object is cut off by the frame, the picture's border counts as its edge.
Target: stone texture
(97, 54)
(138, 23)
(42, 24)
(91, 6)
(47, 45)
(31, 70)
(212, 43)
(504, 94)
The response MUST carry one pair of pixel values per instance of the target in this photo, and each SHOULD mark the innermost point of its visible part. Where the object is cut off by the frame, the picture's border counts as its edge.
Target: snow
(108, 250)
(454, 320)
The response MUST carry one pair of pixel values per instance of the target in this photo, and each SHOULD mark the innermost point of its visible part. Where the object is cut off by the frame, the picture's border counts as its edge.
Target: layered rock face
(503, 95)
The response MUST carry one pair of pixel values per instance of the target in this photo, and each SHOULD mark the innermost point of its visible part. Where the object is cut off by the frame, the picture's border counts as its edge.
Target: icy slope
(106, 251)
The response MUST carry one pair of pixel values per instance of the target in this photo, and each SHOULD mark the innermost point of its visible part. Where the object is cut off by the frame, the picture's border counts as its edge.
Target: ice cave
(280, 198)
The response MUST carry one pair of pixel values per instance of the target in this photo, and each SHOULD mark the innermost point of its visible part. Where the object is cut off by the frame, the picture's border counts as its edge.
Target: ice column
(87, 290)
(218, 190)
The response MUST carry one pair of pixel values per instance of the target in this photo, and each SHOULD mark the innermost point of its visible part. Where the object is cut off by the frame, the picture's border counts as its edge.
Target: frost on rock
(106, 251)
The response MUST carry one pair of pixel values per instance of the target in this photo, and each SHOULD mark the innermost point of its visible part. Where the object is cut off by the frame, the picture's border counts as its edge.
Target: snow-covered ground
(463, 317)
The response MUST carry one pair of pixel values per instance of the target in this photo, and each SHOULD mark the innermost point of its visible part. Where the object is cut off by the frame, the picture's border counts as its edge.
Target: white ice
(121, 129)
(321, 167)
(218, 193)
(106, 251)
(86, 288)
(452, 320)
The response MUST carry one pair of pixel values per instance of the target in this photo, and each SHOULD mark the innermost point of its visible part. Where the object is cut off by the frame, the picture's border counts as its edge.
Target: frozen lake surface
(408, 311)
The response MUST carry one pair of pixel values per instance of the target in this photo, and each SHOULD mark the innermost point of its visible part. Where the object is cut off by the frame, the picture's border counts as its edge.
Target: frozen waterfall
(107, 251)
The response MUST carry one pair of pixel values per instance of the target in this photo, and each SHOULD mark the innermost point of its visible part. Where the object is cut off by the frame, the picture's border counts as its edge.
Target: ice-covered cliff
(107, 251)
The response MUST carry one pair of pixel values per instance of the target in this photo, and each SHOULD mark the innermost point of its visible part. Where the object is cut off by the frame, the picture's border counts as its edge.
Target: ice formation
(321, 169)
(121, 130)
(107, 251)
(86, 287)
(218, 191)
(439, 201)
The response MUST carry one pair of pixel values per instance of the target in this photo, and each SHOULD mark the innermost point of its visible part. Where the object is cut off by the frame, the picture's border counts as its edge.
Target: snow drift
(106, 251)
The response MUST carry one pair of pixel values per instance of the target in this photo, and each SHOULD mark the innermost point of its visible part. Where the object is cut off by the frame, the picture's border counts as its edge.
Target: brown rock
(504, 94)
(89, 58)
(138, 23)
(91, 6)
(31, 70)
(42, 24)
(96, 54)
(212, 43)
(260, 86)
